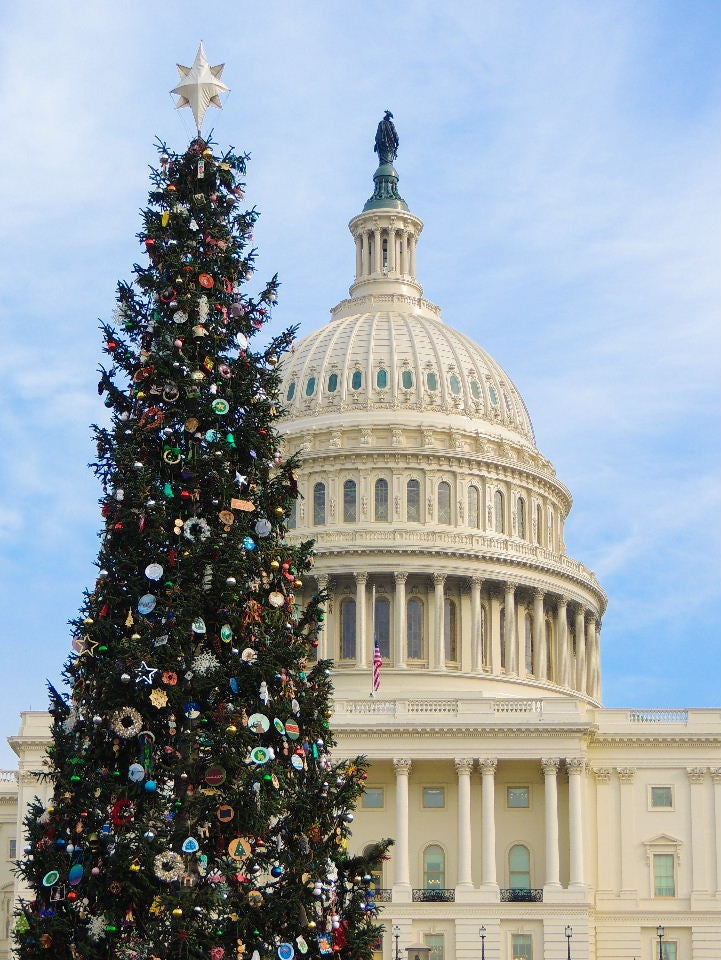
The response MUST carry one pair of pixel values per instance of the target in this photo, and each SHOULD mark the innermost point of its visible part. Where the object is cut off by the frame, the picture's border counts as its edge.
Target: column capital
(402, 766)
(550, 766)
(439, 579)
(361, 576)
(715, 774)
(602, 774)
(626, 774)
(476, 582)
(510, 586)
(562, 602)
(696, 774)
(400, 576)
(322, 579)
(538, 594)
(488, 766)
(463, 765)
(575, 765)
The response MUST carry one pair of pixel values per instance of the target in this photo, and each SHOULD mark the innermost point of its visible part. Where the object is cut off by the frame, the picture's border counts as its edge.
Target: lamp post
(397, 935)
(482, 935)
(660, 933)
(569, 934)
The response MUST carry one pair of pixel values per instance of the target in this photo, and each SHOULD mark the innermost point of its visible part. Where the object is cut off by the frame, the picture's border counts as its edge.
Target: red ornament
(112, 345)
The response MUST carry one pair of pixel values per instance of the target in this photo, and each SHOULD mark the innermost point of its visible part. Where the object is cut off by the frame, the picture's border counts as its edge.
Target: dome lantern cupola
(386, 232)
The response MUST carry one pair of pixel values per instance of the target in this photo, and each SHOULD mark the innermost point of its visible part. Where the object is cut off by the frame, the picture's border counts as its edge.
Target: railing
(8, 776)
(370, 706)
(381, 895)
(521, 895)
(658, 716)
(434, 896)
(518, 706)
(432, 706)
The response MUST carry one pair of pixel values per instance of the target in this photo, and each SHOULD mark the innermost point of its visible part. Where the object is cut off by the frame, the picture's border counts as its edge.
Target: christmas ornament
(200, 86)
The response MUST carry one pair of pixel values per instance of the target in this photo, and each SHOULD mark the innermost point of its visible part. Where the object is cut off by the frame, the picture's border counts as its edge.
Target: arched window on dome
(332, 383)
(413, 501)
(474, 508)
(432, 381)
(521, 517)
(434, 867)
(382, 626)
(319, 504)
(502, 631)
(350, 501)
(444, 502)
(415, 642)
(519, 867)
(291, 391)
(550, 645)
(450, 633)
(347, 629)
(475, 389)
(293, 515)
(455, 384)
(382, 379)
(498, 512)
(539, 524)
(485, 652)
(528, 625)
(356, 381)
(381, 499)
(407, 379)
(310, 386)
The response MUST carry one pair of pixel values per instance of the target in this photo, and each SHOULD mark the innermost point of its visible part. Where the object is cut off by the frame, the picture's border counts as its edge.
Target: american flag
(377, 664)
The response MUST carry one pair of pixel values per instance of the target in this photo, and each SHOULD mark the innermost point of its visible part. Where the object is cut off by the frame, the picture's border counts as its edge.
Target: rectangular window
(434, 797)
(12, 848)
(664, 880)
(662, 798)
(373, 798)
(521, 946)
(436, 941)
(669, 950)
(518, 797)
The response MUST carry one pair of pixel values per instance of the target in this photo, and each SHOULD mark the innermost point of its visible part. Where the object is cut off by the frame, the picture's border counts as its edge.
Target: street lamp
(660, 933)
(569, 934)
(482, 935)
(397, 935)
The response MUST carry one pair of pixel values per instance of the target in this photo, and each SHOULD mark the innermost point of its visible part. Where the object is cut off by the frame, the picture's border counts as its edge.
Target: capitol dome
(439, 525)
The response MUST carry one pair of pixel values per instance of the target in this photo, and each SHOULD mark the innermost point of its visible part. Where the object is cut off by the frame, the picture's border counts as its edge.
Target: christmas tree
(195, 810)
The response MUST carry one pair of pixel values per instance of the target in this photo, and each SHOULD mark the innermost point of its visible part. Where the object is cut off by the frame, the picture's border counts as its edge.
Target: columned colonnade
(400, 255)
(575, 767)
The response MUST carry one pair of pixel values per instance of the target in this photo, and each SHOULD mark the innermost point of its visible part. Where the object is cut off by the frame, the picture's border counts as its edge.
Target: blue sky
(565, 159)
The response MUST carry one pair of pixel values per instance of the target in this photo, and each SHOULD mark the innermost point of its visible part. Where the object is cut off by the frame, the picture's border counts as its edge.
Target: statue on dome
(386, 145)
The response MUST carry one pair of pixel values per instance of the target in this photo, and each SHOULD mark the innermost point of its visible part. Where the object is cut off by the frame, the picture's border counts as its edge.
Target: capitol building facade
(529, 821)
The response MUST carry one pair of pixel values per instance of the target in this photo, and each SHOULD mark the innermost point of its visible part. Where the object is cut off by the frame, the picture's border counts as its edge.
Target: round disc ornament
(190, 845)
(279, 726)
(276, 599)
(241, 340)
(258, 723)
(196, 528)
(192, 710)
(50, 879)
(260, 755)
(198, 626)
(239, 848)
(225, 813)
(205, 280)
(292, 730)
(286, 951)
(296, 762)
(214, 776)
(146, 604)
(153, 571)
(136, 772)
(220, 407)
(248, 656)
(226, 633)
(75, 875)
(263, 527)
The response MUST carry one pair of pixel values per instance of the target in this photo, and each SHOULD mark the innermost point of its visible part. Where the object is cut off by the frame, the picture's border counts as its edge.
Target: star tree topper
(200, 85)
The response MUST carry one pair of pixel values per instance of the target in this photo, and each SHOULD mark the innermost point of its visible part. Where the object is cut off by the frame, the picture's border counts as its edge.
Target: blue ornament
(249, 543)
(151, 786)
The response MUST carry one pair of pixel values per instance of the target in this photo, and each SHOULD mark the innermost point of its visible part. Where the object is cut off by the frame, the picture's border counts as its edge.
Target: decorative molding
(715, 774)
(575, 765)
(402, 766)
(626, 774)
(487, 766)
(550, 766)
(696, 774)
(463, 766)
(601, 774)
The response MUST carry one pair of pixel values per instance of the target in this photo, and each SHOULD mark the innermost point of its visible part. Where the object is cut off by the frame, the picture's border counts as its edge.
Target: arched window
(498, 512)
(347, 629)
(474, 508)
(521, 517)
(549, 532)
(414, 629)
(455, 384)
(382, 379)
(356, 381)
(493, 393)
(310, 387)
(381, 499)
(382, 626)
(319, 504)
(432, 381)
(502, 630)
(549, 648)
(485, 658)
(444, 502)
(529, 642)
(413, 501)
(332, 383)
(450, 640)
(407, 379)
(293, 515)
(476, 389)
(539, 524)
(350, 502)
(434, 868)
(519, 867)
(291, 391)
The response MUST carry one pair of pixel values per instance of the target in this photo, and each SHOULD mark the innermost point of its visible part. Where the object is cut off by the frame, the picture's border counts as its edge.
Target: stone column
(576, 767)
(510, 638)
(608, 880)
(323, 654)
(539, 636)
(580, 676)
(463, 769)
(365, 254)
(439, 660)
(562, 658)
(488, 822)
(550, 772)
(476, 587)
(378, 251)
(716, 780)
(400, 850)
(358, 256)
(402, 254)
(392, 250)
(360, 618)
(698, 830)
(596, 688)
(400, 578)
(626, 831)
(412, 255)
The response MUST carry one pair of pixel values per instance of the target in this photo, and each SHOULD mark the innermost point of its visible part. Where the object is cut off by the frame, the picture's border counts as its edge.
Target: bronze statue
(386, 145)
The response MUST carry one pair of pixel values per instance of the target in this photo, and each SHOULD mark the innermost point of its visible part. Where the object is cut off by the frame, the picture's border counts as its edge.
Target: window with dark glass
(407, 379)
(444, 502)
(450, 639)
(319, 504)
(310, 387)
(382, 379)
(413, 501)
(539, 524)
(493, 393)
(356, 381)
(502, 628)
(381, 499)
(291, 391)
(455, 384)
(475, 389)
(432, 381)
(350, 502)
(332, 383)
(414, 629)
(521, 517)
(549, 649)
(518, 797)
(498, 508)
(519, 867)
(382, 626)
(474, 508)
(529, 642)
(347, 629)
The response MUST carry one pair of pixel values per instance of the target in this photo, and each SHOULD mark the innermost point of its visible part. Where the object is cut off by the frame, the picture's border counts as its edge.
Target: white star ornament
(200, 86)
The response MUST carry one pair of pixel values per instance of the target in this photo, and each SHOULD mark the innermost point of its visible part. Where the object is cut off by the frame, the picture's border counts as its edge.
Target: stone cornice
(500, 732)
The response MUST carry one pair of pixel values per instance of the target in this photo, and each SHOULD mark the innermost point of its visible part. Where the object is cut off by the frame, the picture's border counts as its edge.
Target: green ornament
(168, 490)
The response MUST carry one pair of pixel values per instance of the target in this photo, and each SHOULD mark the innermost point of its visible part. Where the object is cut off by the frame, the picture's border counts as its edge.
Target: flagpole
(373, 634)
